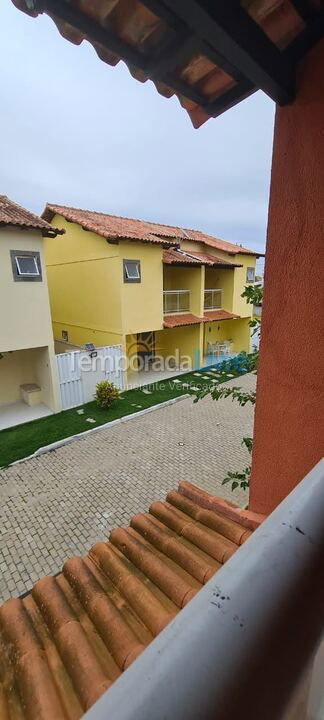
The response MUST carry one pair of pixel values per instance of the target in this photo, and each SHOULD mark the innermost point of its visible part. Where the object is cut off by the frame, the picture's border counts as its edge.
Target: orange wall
(289, 418)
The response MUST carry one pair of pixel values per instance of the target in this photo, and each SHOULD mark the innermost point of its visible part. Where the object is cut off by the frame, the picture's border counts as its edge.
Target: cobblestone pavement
(60, 503)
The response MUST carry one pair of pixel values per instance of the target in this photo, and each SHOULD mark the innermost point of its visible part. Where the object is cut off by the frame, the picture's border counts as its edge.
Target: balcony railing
(247, 636)
(212, 299)
(176, 301)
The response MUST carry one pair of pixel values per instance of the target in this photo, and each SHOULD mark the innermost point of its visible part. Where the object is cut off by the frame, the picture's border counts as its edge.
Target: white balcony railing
(176, 301)
(212, 299)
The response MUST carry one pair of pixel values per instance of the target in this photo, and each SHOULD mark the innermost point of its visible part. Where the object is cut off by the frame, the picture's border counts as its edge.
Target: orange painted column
(289, 413)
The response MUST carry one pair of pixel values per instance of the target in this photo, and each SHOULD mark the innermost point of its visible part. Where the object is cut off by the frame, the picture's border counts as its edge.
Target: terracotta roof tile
(211, 315)
(177, 320)
(146, 36)
(113, 226)
(65, 643)
(14, 215)
(219, 244)
(179, 257)
(213, 261)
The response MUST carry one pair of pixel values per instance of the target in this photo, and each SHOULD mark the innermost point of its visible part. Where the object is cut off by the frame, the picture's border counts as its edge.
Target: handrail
(239, 647)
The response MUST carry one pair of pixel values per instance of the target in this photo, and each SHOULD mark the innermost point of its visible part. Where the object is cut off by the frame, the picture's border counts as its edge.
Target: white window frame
(248, 269)
(127, 276)
(27, 274)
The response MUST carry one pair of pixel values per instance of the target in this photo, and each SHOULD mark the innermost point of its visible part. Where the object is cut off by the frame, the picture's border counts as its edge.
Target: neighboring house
(28, 382)
(152, 288)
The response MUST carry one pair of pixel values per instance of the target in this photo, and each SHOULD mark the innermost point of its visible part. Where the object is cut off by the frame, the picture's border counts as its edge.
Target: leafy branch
(253, 295)
(240, 479)
(236, 393)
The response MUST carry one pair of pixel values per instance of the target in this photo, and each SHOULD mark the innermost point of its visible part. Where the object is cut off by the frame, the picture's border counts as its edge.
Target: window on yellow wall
(132, 271)
(250, 275)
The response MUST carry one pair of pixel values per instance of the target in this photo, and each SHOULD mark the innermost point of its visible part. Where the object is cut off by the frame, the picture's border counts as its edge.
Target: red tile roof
(213, 261)
(179, 257)
(219, 244)
(141, 38)
(177, 320)
(211, 315)
(113, 226)
(14, 215)
(65, 643)
(182, 257)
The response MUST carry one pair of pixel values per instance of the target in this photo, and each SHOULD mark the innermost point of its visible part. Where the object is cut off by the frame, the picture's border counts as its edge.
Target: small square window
(250, 275)
(26, 265)
(65, 335)
(132, 271)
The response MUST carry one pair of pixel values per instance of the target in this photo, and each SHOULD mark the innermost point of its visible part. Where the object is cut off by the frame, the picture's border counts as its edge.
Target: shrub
(106, 394)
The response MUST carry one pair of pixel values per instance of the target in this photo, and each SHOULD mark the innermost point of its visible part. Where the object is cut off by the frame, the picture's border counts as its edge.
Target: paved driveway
(58, 504)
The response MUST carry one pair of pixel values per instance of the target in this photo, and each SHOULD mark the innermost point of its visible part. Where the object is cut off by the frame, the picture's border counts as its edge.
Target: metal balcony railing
(240, 647)
(212, 299)
(176, 301)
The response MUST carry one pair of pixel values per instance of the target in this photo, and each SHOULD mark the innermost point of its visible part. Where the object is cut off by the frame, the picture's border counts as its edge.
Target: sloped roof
(65, 643)
(116, 227)
(211, 58)
(180, 319)
(179, 257)
(219, 244)
(211, 315)
(113, 226)
(213, 261)
(14, 215)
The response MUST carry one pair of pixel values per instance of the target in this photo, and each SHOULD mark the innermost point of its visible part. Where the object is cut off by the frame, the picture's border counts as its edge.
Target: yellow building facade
(158, 291)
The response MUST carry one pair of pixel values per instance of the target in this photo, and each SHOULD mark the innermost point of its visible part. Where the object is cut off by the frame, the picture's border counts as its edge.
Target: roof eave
(46, 232)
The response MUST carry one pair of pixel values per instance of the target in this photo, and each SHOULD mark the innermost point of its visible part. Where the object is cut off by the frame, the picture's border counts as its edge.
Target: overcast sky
(78, 132)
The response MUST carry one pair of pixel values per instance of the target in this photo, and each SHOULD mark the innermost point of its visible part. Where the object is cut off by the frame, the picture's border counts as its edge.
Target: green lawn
(22, 440)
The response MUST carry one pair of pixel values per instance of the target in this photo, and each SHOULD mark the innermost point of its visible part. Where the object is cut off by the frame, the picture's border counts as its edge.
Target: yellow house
(157, 290)
(28, 380)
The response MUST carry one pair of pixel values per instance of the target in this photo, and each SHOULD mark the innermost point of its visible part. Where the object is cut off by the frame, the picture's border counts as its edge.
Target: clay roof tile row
(180, 319)
(182, 257)
(115, 227)
(14, 215)
(65, 643)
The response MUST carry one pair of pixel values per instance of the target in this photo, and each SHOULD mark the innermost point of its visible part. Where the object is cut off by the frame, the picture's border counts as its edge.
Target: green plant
(106, 394)
(240, 478)
(253, 295)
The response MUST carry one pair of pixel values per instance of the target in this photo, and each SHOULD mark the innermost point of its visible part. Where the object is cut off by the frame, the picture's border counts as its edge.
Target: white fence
(79, 373)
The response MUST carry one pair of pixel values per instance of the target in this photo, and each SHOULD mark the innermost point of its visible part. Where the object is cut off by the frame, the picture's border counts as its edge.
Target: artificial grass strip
(22, 440)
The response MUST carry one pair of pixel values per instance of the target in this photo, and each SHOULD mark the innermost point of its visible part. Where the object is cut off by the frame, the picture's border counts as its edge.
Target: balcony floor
(19, 412)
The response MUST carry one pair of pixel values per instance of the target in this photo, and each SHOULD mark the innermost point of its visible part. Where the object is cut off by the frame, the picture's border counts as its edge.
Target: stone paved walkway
(58, 504)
